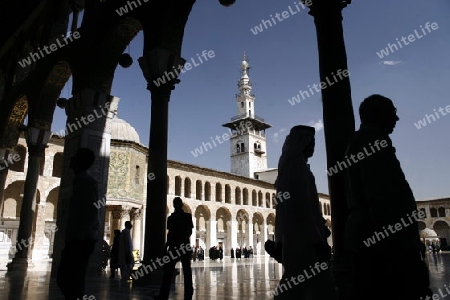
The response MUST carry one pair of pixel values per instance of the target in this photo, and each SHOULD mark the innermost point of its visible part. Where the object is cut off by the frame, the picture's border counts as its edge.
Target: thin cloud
(391, 62)
(276, 135)
(317, 125)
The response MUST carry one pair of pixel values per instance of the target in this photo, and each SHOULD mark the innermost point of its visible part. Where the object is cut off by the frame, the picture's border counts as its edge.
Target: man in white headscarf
(300, 229)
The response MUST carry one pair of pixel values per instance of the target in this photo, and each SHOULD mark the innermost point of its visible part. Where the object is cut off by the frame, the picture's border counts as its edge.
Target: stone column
(234, 233)
(39, 250)
(339, 123)
(116, 218)
(265, 237)
(249, 234)
(36, 148)
(136, 218)
(212, 232)
(89, 115)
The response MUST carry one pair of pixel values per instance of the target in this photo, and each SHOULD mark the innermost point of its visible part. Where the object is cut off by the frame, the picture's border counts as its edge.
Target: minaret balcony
(259, 151)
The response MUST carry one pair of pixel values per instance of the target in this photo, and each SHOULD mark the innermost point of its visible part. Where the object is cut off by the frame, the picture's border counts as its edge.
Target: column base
(20, 264)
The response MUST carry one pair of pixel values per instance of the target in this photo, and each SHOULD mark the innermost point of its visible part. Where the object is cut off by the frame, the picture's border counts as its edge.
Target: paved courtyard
(230, 279)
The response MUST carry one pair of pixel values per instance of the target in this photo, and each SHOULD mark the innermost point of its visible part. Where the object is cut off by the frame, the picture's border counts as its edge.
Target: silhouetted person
(126, 257)
(388, 261)
(300, 229)
(179, 226)
(83, 227)
(232, 253)
(114, 262)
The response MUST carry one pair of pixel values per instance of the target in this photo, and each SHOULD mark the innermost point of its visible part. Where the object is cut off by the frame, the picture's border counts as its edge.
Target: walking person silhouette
(179, 226)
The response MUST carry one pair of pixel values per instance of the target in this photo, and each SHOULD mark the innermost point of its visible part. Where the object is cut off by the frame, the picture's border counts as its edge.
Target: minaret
(248, 141)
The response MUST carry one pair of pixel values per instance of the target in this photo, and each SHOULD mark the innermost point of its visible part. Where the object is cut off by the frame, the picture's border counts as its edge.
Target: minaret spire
(248, 141)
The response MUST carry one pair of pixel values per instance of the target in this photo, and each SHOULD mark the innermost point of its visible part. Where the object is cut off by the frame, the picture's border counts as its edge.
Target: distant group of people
(238, 253)
(215, 253)
(198, 253)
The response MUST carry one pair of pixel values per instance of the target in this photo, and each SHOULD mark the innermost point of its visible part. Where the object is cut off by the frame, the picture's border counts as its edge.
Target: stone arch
(187, 187)
(245, 196)
(421, 225)
(198, 190)
(270, 221)
(19, 166)
(223, 217)
(237, 196)
(177, 186)
(13, 196)
(227, 194)
(14, 119)
(257, 221)
(207, 191)
(58, 161)
(187, 208)
(51, 206)
(202, 215)
(442, 228)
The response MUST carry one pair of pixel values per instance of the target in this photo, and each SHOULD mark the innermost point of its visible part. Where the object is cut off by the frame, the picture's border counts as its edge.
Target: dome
(122, 130)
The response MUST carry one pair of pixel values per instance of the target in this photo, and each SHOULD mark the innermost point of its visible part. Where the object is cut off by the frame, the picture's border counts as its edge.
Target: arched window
(260, 199)
(187, 187)
(433, 212)
(178, 186)
(198, 190)
(19, 166)
(137, 175)
(441, 212)
(242, 147)
(207, 191)
(58, 161)
(245, 196)
(237, 196)
(227, 194)
(238, 148)
(268, 200)
(218, 192)
(254, 199)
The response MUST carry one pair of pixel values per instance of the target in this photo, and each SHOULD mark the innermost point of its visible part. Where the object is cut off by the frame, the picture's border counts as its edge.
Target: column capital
(326, 8)
(135, 214)
(161, 68)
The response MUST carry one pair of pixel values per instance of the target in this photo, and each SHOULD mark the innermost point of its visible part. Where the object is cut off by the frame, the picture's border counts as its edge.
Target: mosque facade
(229, 209)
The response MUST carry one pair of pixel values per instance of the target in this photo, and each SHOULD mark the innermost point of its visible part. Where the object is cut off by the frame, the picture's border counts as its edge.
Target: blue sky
(284, 60)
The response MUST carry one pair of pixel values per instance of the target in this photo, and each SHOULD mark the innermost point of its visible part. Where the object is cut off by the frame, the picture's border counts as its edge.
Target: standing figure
(238, 253)
(379, 197)
(179, 226)
(83, 226)
(232, 253)
(300, 230)
(126, 257)
(114, 262)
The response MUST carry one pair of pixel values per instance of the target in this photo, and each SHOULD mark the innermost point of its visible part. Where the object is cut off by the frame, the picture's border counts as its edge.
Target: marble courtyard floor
(230, 279)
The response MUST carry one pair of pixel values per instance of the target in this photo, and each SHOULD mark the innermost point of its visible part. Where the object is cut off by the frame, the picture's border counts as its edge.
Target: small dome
(123, 131)
(244, 64)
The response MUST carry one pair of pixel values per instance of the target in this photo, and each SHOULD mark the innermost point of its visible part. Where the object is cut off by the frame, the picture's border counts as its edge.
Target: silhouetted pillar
(155, 65)
(136, 217)
(339, 123)
(89, 114)
(37, 139)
